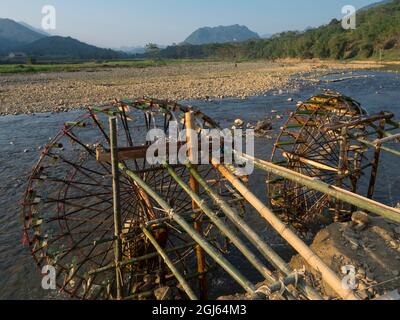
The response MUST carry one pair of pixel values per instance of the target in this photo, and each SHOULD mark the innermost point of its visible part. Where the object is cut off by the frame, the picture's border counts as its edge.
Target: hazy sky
(116, 23)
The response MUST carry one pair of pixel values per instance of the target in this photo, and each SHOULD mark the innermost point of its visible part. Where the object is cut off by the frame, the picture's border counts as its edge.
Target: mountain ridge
(57, 46)
(221, 34)
(21, 37)
(14, 35)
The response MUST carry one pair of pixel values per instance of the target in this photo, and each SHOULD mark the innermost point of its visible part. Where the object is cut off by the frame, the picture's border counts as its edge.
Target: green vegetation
(153, 51)
(376, 36)
(72, 67)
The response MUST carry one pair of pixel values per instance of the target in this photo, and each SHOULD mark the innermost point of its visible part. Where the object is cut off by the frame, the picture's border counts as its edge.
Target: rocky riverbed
(63, 91)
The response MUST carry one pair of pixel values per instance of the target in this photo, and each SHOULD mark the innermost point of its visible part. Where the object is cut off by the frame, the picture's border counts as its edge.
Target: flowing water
(22, 136)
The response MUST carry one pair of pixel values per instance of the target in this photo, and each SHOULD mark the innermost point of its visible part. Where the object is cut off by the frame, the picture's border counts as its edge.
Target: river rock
(263, 125)
(361, 219)
(239, 123)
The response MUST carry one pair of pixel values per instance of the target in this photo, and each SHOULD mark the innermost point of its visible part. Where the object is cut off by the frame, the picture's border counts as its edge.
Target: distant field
(71, 67)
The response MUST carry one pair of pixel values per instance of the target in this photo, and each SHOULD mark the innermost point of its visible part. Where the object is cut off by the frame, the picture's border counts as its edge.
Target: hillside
(37, 30)
(67, 47)
(13, 35)
(221, 34)
(377, 35)
(13, 31)
(376, 4)
(22, 37)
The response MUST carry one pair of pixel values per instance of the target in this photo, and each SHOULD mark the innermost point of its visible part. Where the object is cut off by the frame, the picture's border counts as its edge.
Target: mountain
(67, 47)
(37, 30)
(13, 31)
(21, 37)
(221, 34)
(13, 35)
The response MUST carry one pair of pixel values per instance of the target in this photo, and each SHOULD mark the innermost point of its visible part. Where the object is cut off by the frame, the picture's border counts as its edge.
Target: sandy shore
(62, 91)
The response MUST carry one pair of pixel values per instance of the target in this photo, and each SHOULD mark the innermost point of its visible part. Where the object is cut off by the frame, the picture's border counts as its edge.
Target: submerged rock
(263, 127)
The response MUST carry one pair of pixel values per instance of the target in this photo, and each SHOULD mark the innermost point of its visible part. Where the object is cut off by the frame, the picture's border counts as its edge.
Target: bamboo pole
(309, 256)
(223, 227)
(253, 237)
(211, 251)
(191, 142)
(312, 163)
(372, 144)
(170, 265)
(116, 207)
(330, 190)
(388, 139)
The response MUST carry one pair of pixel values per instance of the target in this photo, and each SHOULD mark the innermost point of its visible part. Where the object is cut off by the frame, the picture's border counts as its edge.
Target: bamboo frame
(309, 256)
(253, 237)
(212, 252)
(330, 190)
(255, 262)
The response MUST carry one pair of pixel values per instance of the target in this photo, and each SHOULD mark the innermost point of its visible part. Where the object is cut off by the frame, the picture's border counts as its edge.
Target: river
(22, 136)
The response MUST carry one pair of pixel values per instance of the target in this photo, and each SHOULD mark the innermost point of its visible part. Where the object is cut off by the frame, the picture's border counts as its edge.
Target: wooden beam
(131, 153)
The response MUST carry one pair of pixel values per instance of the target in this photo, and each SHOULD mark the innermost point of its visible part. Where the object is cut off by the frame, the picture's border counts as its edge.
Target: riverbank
(62, 90)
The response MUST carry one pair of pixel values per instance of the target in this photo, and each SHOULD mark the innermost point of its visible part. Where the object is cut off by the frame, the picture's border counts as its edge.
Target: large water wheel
(321, 139)
(68, 205)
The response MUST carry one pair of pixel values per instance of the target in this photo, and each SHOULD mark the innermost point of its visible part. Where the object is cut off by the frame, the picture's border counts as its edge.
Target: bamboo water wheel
(68, 205)
(115, 226)
(324, 138)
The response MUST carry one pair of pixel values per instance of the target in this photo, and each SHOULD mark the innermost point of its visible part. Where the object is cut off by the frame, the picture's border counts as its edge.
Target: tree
(153, 51)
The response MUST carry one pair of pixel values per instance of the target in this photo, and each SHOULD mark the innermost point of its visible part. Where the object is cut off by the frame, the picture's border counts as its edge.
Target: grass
(72, 67)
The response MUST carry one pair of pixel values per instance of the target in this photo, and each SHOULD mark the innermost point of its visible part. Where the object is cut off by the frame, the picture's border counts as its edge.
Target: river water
(22, 136)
